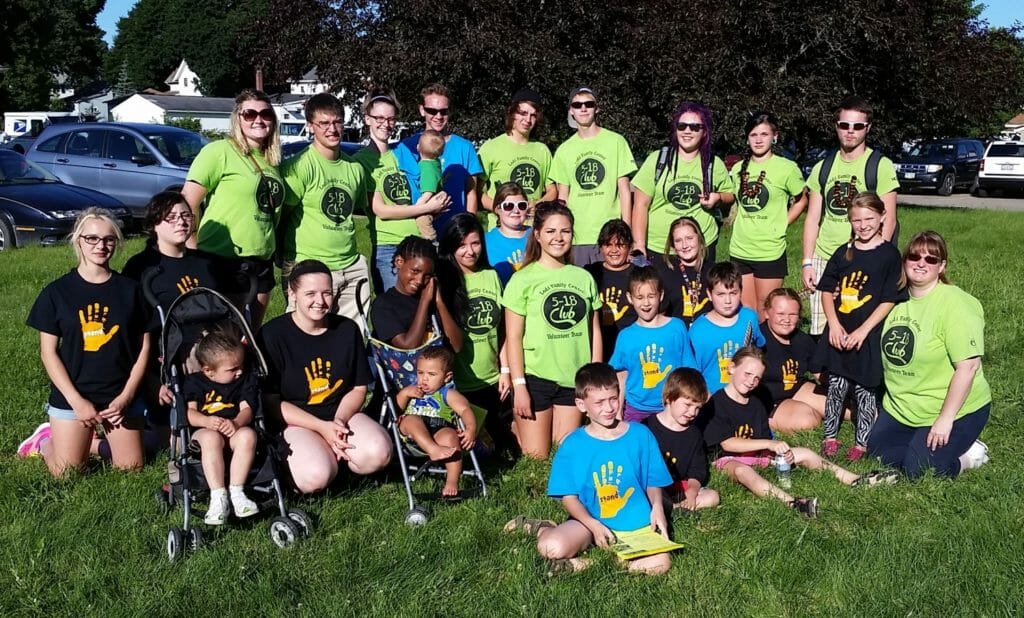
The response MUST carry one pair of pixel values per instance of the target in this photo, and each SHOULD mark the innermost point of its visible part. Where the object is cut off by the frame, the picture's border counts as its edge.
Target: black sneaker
(808, 507)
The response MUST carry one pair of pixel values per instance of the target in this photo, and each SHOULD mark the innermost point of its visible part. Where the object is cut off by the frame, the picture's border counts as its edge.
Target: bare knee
(244, 438)
(554, 546)
(447, 437)
(312, 476)
(652, 565)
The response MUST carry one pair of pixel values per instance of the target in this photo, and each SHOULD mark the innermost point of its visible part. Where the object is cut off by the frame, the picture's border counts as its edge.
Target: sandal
(877, 477)
(829, 447)
(808, 507)
(856, 453)
(528, 526)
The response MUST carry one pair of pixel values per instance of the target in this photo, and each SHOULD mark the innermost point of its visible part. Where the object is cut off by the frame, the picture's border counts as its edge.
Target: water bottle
(783, 469)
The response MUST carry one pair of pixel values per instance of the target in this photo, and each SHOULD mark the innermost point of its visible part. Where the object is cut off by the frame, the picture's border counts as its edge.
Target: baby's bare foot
(436, 452)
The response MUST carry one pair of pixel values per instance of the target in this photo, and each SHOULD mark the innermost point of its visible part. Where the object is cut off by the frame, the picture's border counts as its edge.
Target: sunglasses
(510, 206)
(436, 111)
(93, 239)
(693, 126)
(250, 115)
(582, 104)
(856, 126)
(928, 259)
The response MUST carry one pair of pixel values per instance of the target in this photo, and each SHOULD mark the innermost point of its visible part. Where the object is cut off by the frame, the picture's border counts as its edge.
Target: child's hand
(439, 202)
(227, 427)
(413, 391)
(429, 288)
(114, 412)
(603, 536)
(166, 395)
(837, 336)
(658, 521)
(467, 438)
(521, 404)
(336, 433)
(781, 448)
(504, 386)
(856, 339)
(710, 200)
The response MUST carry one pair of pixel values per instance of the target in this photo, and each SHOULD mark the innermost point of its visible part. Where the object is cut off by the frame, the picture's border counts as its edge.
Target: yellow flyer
(640, 543)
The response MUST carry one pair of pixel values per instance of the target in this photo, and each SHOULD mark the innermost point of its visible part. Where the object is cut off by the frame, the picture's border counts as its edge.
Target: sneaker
(29, 447)
(856, 453)
(244, 507)
(808, 507)
(877, 477)
(975, 457)
(829, 447)
(217, 514)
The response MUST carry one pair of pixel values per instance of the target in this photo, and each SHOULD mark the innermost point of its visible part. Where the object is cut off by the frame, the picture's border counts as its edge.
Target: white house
(213, 113)
(1014, 128)
(183, 81)
(308, 85)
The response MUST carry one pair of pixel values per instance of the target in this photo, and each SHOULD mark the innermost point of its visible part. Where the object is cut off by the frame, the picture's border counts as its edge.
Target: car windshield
(935, 150)
(16, 169)
(180, 147)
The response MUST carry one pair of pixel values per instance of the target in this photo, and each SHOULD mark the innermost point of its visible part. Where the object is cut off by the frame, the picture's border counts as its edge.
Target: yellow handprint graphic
(849, 292)
(516, 260)
(693, 300)
(610, 311)
(186, 283)
(93, 319)
(789, 374)
(608, 490)
(214, 403)
(744, 431)
(724, 358)
(318, 376)
(650, 365)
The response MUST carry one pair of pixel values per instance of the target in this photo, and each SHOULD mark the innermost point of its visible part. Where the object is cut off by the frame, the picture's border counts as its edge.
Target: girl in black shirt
(683, 270)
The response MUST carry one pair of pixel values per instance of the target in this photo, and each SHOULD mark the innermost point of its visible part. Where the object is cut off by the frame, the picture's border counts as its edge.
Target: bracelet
(807, 265)
(518, 381)
(506, 370)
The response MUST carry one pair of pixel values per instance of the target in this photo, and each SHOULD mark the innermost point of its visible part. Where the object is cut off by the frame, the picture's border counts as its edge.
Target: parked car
(131, 162)
(1002, 168)
(36, 207)
(291, 149)
(943, 165)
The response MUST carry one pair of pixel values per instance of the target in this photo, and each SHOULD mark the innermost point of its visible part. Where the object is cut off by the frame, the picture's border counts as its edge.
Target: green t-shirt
(243, 200)
(476, 366)
(321, 196)
(678, 195)
(430, 175)
(558, 305)
(759, 231)
(921, 339)
(591, 169)
(387, 179)
(528, 164)
(845, 180)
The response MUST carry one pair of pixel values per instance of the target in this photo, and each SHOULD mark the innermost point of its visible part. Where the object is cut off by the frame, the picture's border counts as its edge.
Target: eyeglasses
(93, 239)
(582, 104)
(928, 259)
(509, 206)
(250, 115)
(856, 126)
(174, 217)
(383, 119)
(693, 126)
(323, 125)
(436, 111)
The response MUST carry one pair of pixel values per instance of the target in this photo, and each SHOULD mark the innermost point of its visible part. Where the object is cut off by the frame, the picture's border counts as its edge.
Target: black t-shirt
(223, 400)
(683, 451)
(177, 275)
(100, 326)
(868, 279)
(314, 372)
(392, 313)
(685, 288)
(731, 419)
(787, 365)
(616, 312)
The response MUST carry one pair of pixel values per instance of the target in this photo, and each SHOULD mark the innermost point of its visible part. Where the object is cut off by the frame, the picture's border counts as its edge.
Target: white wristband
(518, 381)
(506, 370)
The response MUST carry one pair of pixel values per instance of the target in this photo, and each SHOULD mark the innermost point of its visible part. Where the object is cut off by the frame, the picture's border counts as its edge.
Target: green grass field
(94, 545)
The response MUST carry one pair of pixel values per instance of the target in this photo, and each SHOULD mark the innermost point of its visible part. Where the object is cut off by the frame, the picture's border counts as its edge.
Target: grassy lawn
(94, 545)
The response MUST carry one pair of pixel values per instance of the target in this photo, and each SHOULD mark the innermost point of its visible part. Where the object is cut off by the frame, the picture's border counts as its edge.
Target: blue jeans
(905, 448)
(384, 276)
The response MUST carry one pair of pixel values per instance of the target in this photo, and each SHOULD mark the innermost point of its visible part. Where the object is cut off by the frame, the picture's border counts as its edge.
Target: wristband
(518, 381)
(506, 370)
(807, 265)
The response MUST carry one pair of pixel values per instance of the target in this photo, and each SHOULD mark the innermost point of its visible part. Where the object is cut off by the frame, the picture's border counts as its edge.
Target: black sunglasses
(856, 126)
(509, 206)
(249, 115)
(436, 111)
(693, 126)
(582, 104)
(928, 259)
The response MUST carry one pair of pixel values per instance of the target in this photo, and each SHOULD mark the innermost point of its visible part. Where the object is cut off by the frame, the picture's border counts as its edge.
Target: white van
(31, 124)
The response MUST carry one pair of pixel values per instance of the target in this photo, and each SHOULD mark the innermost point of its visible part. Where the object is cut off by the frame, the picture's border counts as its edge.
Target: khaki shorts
(817, 313)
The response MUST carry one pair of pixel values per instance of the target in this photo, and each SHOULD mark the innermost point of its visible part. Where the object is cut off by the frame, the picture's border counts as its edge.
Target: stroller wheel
(163, 505)
(302, 520)
(283, 531)
(175, 543)
(195, 538)
(416, 516)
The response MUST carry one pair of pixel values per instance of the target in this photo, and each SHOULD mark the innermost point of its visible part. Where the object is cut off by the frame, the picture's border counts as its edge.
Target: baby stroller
(396, 369)
(183, 323)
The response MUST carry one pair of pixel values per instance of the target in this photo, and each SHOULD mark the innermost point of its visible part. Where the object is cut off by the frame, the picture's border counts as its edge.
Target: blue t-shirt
(622, 468)
(659, 350)
(505, 254)
(714, 345)
(459, 161)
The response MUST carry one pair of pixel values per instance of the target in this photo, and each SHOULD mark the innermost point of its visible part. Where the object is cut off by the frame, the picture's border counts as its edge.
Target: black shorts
(775, 269)
(434, 424)
(234, 273)
(545, 393)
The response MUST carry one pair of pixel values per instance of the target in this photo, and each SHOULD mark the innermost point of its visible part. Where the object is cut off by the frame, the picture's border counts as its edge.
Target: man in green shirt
(592, 170)
(826, 226)
(324, 187)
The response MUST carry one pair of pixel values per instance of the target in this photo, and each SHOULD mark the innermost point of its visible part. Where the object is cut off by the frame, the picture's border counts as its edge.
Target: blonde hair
(431, 144)
(929, 241)
(271, 148)
(379, 94)
(90, 214)
(864, 199)
(702, 247)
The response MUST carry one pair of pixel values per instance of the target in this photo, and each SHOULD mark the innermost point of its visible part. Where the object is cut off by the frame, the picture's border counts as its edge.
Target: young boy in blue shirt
(719, 333)
(608, 476)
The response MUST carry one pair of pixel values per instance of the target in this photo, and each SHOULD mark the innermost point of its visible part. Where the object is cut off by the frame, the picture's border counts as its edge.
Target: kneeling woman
(94, 345)
(318, 366)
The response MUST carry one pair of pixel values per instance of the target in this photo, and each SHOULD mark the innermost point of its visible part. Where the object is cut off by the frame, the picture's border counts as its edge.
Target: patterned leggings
(864, 413)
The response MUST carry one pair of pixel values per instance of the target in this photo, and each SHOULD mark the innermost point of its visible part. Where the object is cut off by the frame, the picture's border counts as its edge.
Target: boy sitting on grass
(608, 475)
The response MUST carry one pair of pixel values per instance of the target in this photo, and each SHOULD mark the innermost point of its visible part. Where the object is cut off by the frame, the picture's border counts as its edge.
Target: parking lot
(962, 200)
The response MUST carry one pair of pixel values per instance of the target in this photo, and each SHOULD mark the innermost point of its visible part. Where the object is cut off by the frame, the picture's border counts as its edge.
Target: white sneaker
(975, 457)
(217, 514)
(244, 507)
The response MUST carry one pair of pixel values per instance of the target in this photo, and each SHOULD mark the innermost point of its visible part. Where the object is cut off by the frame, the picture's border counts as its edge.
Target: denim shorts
(138, 408)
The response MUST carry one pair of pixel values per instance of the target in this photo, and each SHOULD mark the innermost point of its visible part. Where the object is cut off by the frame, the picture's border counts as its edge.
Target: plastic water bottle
(783, 469)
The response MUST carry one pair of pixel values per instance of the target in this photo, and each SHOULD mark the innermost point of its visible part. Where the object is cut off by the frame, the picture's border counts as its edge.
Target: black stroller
(183, 323)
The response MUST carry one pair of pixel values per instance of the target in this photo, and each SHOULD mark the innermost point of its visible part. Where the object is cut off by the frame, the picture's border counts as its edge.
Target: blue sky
(997, 12)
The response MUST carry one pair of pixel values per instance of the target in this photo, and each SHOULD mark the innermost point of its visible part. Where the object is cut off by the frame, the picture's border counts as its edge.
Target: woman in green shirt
(937, 400)
(238, 178)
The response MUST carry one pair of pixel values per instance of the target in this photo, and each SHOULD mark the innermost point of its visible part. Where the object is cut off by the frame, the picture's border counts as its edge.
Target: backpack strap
(659, 168)
(871, 171)
(823, 172)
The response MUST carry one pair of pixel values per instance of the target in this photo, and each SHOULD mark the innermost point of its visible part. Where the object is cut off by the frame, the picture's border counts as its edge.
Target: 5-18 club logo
(484, 315)
(898, 345)
(336, 205)
(396, 188)
(683, 195)
(269, 194)
(590, 174)
(564, 310)
(527, 176)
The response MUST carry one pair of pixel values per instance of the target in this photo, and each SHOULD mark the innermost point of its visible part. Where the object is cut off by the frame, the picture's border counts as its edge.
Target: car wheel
(946, 187)
(7, 240)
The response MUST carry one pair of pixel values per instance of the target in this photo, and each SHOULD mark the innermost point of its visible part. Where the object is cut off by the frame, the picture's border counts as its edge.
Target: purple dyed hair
(705, 143)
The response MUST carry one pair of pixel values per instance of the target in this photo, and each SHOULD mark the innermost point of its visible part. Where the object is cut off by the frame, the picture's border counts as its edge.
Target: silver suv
(1002, 168)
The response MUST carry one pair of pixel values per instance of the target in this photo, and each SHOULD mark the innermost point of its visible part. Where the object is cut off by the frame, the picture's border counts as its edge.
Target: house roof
(1016, 121)
(310, 76)
(222, 105)
(175, 75)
